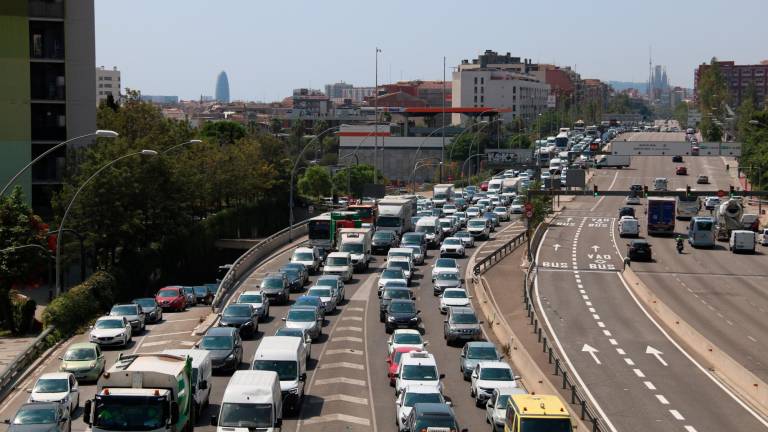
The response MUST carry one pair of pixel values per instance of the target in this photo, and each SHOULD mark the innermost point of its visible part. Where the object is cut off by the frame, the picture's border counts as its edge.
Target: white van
(401, 251)
(252, 401)
(629, 227)
(340, 264)
(494, 185)
(764, 237)
(431, 229)
(284, 355)
(742, 241)
(202, 369)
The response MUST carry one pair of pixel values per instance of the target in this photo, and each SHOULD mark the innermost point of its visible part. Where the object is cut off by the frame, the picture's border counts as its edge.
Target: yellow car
(84, 360)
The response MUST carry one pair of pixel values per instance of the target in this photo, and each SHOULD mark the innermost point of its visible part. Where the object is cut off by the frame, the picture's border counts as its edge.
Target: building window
(514, 89)
(107, 78)
(482, 89)
(475, 89)
(475, 98)
(475, 80)
(482, 99)
(482, 80)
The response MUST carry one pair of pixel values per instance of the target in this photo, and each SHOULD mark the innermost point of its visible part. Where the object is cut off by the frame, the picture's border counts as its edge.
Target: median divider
(748, 385)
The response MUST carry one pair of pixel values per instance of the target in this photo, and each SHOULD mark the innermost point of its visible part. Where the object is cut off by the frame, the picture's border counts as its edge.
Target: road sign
(528, 207)
(721, 193)
(529, 214)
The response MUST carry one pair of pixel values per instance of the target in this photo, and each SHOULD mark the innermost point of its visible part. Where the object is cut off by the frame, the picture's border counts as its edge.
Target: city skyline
(590, 37)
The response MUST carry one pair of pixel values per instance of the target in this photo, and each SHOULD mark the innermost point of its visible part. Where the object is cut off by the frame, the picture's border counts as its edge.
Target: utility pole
(442, 126)
(376, 118)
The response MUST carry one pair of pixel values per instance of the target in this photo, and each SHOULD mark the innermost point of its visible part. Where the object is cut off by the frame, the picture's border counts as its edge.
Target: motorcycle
(679, 246)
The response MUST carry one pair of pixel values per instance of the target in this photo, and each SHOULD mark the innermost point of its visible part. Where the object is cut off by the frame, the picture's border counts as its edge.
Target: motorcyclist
(679, 241)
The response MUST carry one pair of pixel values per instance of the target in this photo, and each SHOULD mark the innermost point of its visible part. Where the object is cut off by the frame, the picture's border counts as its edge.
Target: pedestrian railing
(10, 377)
(497, 255)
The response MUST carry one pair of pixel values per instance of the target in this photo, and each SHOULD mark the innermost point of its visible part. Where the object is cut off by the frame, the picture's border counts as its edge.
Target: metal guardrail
(494, 257)
(11, 374)
(247, 260)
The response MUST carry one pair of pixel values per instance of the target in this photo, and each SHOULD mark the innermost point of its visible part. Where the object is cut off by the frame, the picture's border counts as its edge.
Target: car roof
(169, 288)
(221, 331)
(455, 289)
(327, 277)
(494, 364)
(432, 408)
(110, 317)
(401, 301)
(406, 331)
(421, 389)
(55, 375)
(82, 345)
(304, 249)
(474, 344)
(462, 310)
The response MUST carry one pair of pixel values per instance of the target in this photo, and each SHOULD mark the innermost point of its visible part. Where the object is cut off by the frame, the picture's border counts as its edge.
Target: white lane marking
(629, 361)
(689, 428)
(337, 417)
(639, 373)
(676, 414)
(149, 344)
(656, 353)
(620, 351)
(351, 318)
(346, 339)
(615, 176)
(165, 334)
(649, 385)
(592, 351)
(727, 391)
(596, 316)
(355, 329)
(589, 303)
(662, 399)
(187, 343)
(341, 365)
(340, 397)
(342, 380)
(607, 333)
(343, 351)
(601, 324)
(751, 338)
(592, 310)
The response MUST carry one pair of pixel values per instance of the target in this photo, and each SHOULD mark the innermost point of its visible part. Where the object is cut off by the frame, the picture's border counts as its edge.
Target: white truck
(284, 355)
(510, 185)
(395, 214)
(613, 161)
(441, 194)
(143, 392)
(728, 219)
(252, 401)
(357, 242)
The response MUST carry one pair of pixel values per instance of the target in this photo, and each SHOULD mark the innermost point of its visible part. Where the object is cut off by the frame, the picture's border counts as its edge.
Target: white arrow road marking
(592, 351)
(656, 353)
(556, 246)
(595, 248)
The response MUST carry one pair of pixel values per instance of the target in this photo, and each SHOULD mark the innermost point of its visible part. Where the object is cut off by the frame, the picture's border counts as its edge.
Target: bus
(579, 126)
(561, 140)
(687, 206)
(701, 232)
(322, 229)
(367, 212)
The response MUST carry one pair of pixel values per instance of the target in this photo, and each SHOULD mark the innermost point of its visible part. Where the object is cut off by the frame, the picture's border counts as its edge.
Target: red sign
(721, 193)
(529, 214)
(528, 207)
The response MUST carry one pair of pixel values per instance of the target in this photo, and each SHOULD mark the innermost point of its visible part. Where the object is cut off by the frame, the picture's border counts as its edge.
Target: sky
(268, 48)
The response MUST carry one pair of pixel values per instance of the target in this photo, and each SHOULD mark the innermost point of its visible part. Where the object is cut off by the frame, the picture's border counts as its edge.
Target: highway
(633, 370)
(347, 387)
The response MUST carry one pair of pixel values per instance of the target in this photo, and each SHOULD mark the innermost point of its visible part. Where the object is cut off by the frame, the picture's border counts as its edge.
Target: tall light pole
(173, 147)
(478, 155)
(100, 133)
(442, 147)
(376, 118)
(484, 125)
(357, 162)
(72, 201)
(416, 165)
(293, 176)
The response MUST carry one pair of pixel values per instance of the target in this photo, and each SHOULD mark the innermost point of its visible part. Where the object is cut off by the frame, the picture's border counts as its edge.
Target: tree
(223, 132)
(315, 182)
(356, 176)
(680, 114)
(19, 227)
(275, 126)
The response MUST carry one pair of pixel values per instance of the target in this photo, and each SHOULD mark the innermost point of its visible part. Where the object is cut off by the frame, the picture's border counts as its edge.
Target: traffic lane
(676, 382)
(178, 325)
(652, 136)
(730, 311)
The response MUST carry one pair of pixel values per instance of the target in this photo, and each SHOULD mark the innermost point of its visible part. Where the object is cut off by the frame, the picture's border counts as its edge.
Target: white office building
(107, 82)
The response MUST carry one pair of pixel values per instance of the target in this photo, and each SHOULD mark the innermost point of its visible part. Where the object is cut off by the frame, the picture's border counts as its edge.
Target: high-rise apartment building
(739, 79)
(47, 58)
(335, 90)
(107, 83)
(222, 87)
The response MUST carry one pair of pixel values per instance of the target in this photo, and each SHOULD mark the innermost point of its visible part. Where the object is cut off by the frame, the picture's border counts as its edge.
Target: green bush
(23, 310)
(76, 307)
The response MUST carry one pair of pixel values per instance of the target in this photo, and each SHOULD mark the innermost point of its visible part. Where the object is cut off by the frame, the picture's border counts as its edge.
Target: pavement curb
(33, 367)
(745, 383)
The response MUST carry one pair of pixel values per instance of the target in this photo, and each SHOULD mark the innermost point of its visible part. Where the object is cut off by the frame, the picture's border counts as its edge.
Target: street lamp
(479, 155)
(357, 162)
(416, 166)
(173, 147)
(757, 123)
(293, 176)
(478, 144)
(72, 201)
(100, 133)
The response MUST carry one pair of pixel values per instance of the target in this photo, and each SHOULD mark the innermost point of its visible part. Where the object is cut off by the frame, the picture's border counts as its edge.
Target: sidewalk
(751, 206)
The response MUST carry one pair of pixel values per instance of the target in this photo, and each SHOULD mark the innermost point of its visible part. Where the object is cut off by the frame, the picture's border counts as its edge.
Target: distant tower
(222, 87)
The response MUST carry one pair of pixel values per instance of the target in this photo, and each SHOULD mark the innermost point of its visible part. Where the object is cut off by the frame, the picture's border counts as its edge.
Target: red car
(171, 297)
(484, 186)
(681, 170)
(394, 361)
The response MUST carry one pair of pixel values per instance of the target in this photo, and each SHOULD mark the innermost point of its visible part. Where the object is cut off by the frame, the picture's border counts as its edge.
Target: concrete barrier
(732, 373)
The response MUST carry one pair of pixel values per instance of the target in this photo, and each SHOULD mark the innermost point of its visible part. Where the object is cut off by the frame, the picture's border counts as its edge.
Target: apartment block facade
(739, 79)
(107, 83)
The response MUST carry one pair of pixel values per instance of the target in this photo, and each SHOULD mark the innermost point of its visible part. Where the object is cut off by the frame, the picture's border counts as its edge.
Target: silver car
(462, 324)
(133, 313)
(305, 318)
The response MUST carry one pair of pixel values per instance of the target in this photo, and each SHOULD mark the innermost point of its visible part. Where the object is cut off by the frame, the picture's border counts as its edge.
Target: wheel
(471, 392)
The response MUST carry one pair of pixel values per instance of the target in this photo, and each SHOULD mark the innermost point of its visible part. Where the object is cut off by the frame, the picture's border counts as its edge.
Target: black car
(425, 416)
(390, 294)
(295, 282)
(242, 317)
(636, 188)
(152, 311)
(225, 346)
(402, 314)
(626, 211)
(639, 250)
(40, 417)
(382, 241)
(203, 294)
(677, 158)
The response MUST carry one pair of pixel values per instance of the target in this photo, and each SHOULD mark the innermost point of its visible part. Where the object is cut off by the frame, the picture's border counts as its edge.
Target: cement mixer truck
(728, 218)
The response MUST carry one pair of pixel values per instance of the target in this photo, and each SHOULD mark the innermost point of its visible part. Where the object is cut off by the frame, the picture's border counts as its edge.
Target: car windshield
(216, 342)
(545, 425)
(388, 221)
(300, 315)
(407, 339)
(482, 353)
(305, 300)
(464, 318)
(501, 401)
(168, 293)
(476, 224)
(704, 225)
(52, 385)
(338, 261)
(500, 209)
(463, 234)
(399, 264)
(396, 294)
(291, 272)
(246, 415)
(429, 229)
(351, 248)
(272, 283)
(402, 307)
(286, 331)
(109, 324)
(80, 354)
(319, 292)
(303, 256)
(35, 415)
(123, 310)
(496, 374)
(287, 370)
(411, 238)
(237, 311)
(445, 262)
(383, 235)
(447, 276)
(446, 224)
(250, 298)
(395, 283)
(392, 274)
(188, 290)
(130, 413)
(455, 294)
(412, 398)
(452, 241)
(145, 302)
(201, 290)
(419, 372)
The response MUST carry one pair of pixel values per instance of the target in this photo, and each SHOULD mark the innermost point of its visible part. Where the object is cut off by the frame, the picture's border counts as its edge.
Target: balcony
(46, 40)
(46, 9)
(49, 170)
(47, 81)
(49, 122)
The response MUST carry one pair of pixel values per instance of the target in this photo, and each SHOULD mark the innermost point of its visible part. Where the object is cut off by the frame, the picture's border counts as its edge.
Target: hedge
(76, 307)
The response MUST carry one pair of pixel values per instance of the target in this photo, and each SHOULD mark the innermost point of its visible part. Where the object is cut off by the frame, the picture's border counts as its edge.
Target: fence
(252, 256)
(14, 371)
(568, 385)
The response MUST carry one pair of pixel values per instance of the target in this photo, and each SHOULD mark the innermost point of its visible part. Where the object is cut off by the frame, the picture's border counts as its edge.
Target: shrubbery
(76, 307)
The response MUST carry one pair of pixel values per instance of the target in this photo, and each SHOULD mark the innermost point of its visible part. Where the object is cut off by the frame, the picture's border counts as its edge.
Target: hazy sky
(268, 48)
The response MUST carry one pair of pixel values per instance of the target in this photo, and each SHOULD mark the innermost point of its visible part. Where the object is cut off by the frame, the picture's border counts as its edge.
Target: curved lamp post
(757, 123)
(416, 166)
(293, 176)
(479, 155)
(98, 134)
(72, 201)
(484, 125)
(357, 162)
(173, 147)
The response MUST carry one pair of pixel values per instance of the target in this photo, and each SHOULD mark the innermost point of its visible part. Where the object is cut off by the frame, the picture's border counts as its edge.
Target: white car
(466, 238)
(258, 300)
(327, 296)
(479, 228)
(58, 387)
(496, 407)
(339, 263)
(109, 330)
(517, 206)
(444, 264)
(632, 200)
(391, 274)
(487, 377)
(449, 209)
(403, 263)
(417, 368)
(446, 226)
(502, 213)
(452, 246)
(711, 203)
(473, 212)
(416, 394)
(453, 297)
(307, 256)
(405, 338)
